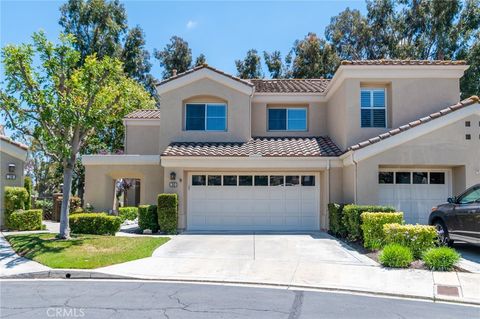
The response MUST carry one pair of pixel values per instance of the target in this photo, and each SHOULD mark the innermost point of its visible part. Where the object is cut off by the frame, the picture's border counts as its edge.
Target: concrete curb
(87, 274)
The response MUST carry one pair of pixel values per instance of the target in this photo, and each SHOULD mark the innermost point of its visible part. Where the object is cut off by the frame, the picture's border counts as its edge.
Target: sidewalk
(12, 264)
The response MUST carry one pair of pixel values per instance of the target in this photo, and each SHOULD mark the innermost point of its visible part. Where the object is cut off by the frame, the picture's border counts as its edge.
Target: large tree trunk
(67, 189)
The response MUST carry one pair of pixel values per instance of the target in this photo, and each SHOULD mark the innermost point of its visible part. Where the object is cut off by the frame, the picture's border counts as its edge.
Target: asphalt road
(136, 299)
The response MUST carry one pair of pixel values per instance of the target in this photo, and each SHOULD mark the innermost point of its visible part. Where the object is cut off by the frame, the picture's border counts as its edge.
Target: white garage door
(257, 201)
(414, 192)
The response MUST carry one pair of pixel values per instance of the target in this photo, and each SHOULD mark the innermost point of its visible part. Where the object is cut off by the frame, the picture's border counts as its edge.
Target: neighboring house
(271, 154)
(12, 162)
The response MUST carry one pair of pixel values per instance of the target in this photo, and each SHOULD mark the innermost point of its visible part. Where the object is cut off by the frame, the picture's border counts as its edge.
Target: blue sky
(223, 31)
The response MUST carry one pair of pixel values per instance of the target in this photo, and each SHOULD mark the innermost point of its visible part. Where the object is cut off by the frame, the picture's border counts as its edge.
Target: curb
(86, 274)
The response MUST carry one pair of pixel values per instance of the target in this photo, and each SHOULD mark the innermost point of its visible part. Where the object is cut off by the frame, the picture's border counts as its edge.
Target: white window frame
(446, 171)
(286, 119)
(371, 107)
(206, 116)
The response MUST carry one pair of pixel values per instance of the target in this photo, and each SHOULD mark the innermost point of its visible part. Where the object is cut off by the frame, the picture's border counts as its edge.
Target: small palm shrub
(396, 256)
(441, 258)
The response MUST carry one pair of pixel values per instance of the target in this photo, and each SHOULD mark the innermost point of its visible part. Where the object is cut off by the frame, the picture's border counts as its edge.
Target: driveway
(290, 247)
(470, 257)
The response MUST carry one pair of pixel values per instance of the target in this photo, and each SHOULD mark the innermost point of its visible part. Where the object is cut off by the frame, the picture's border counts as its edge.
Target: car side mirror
(452, 200)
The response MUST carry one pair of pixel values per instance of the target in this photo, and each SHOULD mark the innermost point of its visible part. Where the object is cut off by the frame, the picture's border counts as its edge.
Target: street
(143, 299)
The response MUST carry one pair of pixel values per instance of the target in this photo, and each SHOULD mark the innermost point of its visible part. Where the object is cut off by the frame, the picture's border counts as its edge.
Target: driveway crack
(296, 308)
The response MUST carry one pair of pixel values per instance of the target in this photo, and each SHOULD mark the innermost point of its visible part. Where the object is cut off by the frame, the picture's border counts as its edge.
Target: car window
(470, 197)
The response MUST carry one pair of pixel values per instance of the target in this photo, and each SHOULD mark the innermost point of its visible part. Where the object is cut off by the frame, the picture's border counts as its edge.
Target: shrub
(94, 223)
(27, 183)
(418, 238)
(46, 205)
(441, 258)
(15, 198)
(129, 213)
(372, 227)
(148, 217)
(168, 213)
(79, 210)
(395, 255)
(335, 213)
(351, 218)
(25, 220)
(75, 203)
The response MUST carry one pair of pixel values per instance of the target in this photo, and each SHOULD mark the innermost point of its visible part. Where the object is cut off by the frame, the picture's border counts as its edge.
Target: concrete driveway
(290, 247)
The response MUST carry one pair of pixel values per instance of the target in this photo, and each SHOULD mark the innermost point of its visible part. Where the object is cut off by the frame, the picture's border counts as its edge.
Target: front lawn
(83, 251)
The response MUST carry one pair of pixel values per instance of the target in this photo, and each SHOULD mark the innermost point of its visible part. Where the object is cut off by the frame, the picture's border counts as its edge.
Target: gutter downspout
(327, 195)
(355, 178)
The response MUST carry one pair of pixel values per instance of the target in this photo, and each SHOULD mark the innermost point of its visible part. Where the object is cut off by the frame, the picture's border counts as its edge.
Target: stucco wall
(443, 148)
(316, 125)
(99, 181)
(336, 117)
(142, 139)
(6, 159)
(172, 118)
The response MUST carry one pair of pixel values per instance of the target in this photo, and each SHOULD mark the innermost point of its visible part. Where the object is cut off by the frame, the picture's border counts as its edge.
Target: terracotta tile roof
(471, 100)
(403, 62)
(258, 146)
(144, 114)
(203, 66)
(9, 140)
(290, 85)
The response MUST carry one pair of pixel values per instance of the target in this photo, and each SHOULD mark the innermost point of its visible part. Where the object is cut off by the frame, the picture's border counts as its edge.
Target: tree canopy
(176, 55)
(250, 67)
(63, 104)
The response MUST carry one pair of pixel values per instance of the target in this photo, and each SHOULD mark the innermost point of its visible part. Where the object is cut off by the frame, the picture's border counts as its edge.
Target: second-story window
(287, 119)
(373, 107)
(205, 117)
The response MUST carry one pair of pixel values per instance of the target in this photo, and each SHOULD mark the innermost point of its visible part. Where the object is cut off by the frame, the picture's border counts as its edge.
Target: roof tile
(144, 114)
(402, 62)
(290, 85)
(9, 140)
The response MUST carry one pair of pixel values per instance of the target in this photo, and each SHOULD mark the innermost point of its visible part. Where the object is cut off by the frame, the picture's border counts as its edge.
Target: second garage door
(257, 201)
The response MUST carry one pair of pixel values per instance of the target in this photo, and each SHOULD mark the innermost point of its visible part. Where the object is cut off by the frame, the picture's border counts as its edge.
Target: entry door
(414, 192)
(253, 201)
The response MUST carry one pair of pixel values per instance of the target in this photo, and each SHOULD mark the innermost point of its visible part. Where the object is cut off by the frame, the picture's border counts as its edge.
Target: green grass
(83, 251)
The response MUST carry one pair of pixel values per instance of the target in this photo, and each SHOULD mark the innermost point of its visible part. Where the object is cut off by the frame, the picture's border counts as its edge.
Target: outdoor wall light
(11, 168)
(173, 176)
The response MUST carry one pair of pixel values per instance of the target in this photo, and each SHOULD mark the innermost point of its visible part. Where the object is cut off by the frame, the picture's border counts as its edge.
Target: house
(13, 156)
(271, 154)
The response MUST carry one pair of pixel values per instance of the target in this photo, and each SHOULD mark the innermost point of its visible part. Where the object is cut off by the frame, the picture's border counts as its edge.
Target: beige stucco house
(271, 154)
(12, 164)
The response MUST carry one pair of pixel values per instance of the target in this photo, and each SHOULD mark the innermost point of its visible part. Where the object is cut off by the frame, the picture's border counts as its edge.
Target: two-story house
(271, 154)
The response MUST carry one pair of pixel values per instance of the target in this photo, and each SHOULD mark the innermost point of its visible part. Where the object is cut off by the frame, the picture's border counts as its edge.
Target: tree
(27, 183)
(201, 60)
(62, 104)
(250, 67)
(276, 67)
(175, 56)
(100, 27)
(313, 58)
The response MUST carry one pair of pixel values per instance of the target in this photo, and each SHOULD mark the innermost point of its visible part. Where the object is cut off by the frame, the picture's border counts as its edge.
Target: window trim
(371, 107)
(287, 108)
(205, 105)
(447, 175)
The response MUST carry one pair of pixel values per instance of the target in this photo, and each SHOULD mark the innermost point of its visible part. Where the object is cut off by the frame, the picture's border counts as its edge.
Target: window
(214, 180)
(308, 180)
(437, 178)
(471, 197)
(402, 177)
(205, 117)
(261, 180)
(245, 180)
(373, 108)
(467, 123)
(287, 119)
(385, 177)
(229, 180)
(468, 137)
(198, 180)
(292, 180)
(420, 178)
(276, 180)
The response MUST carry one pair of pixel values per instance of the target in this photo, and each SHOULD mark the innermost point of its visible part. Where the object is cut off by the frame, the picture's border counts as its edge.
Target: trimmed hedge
(396, 256)
(418, 238)
(15, 198)
(441, 258)
(25, 220)
(127, 213)
(148, 217)
(168, 213)
(335, 214)
(372, 227)
(351, 218)
(94, 223)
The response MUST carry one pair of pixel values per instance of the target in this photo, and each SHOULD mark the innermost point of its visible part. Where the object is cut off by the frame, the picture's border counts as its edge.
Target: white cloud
(191, 24)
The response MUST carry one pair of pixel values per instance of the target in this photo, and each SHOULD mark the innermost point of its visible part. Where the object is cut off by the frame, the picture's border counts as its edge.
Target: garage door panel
(253, 207)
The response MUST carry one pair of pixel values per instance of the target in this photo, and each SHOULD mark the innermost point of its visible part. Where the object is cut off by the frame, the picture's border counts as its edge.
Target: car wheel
(442, 233)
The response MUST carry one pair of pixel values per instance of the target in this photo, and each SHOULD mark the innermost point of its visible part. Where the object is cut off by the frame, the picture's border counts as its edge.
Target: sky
(222, 30)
